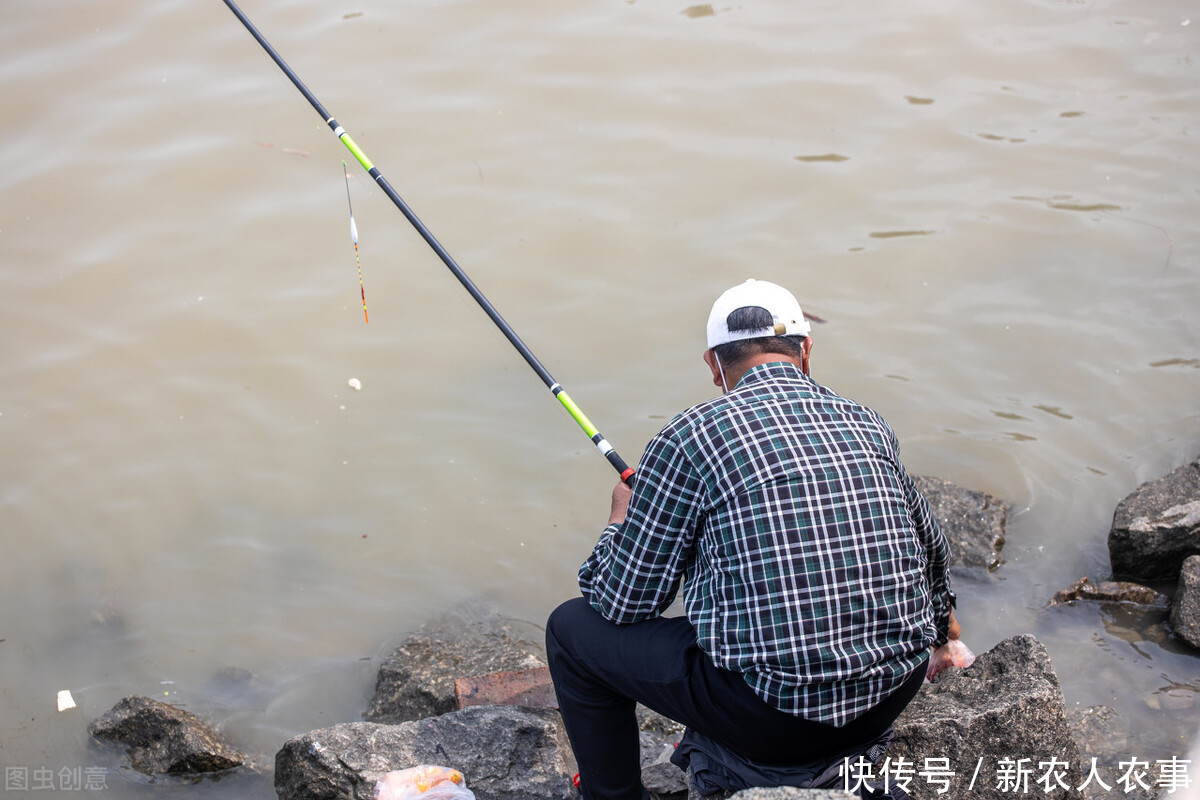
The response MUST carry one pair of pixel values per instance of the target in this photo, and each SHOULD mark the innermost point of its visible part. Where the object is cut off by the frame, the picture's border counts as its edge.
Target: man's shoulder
(689, 418)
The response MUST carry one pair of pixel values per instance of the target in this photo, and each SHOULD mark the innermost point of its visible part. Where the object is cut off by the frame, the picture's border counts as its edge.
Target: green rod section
(576, 412)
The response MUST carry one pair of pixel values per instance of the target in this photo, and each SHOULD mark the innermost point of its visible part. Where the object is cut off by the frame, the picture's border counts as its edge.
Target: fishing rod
(574, 410)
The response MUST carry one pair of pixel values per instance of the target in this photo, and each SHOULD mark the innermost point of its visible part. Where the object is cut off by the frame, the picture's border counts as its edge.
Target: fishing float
(354, 238)
(581, 419)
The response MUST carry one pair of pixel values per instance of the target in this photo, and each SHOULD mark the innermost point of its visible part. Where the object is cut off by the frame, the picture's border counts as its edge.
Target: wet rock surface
(972, 521)
(1157, 526)
(163, 740)
(505, 753)
(417, 679)
(1185, 608)
(1103, 736)
(1111, 592)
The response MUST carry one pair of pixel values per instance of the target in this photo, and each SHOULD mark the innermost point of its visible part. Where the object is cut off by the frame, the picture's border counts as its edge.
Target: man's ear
(807, 348)
(710, 358)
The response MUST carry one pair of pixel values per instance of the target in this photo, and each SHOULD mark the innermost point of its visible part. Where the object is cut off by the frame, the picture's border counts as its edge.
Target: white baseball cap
(784, 309)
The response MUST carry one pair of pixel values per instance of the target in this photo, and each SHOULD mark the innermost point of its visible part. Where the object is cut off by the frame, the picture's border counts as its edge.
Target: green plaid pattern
(810, 562)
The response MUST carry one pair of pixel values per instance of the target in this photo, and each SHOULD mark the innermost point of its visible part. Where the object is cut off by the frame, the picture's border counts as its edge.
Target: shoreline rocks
(1157, 527)
(164, 740)
(1008, 705)
(1155, 537)
(505, 753)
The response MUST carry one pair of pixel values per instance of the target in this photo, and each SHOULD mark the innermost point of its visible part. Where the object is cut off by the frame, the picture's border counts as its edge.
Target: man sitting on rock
(814, 576)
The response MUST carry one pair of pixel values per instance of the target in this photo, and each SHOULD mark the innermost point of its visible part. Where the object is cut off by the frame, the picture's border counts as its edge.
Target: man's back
(811, 564)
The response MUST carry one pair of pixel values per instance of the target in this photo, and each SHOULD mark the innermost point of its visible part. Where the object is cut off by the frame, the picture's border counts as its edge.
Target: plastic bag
(424, 782)
(952, 654)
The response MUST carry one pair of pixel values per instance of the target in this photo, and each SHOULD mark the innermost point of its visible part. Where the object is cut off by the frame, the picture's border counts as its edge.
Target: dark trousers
(601, 670)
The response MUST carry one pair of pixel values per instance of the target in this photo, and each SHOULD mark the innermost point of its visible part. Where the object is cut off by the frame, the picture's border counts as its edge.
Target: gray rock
(503, 752)
(1185, 608)
(658, 736)
(1098, 732)
(1157, 526)
(1101, 734)
(665, 781)
(164, 740)
(417, 679)
(1111, 592)
(1006, 706)
(972, 521)
(662, 779)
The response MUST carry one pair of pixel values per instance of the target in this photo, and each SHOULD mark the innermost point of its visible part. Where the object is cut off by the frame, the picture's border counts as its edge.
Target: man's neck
(735, 372)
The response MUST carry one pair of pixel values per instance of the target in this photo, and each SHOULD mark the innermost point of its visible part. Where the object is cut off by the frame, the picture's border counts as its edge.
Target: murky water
(993, 205)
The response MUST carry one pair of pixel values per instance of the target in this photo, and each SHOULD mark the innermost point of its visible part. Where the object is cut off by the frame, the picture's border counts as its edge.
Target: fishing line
(354, 238)
(563, 398)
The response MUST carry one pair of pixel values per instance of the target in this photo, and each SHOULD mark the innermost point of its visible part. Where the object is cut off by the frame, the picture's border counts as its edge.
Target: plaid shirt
(810, 562)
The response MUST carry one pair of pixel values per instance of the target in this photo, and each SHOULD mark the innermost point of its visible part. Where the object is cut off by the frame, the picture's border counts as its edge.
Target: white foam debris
(355, 384)
(65, 700)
